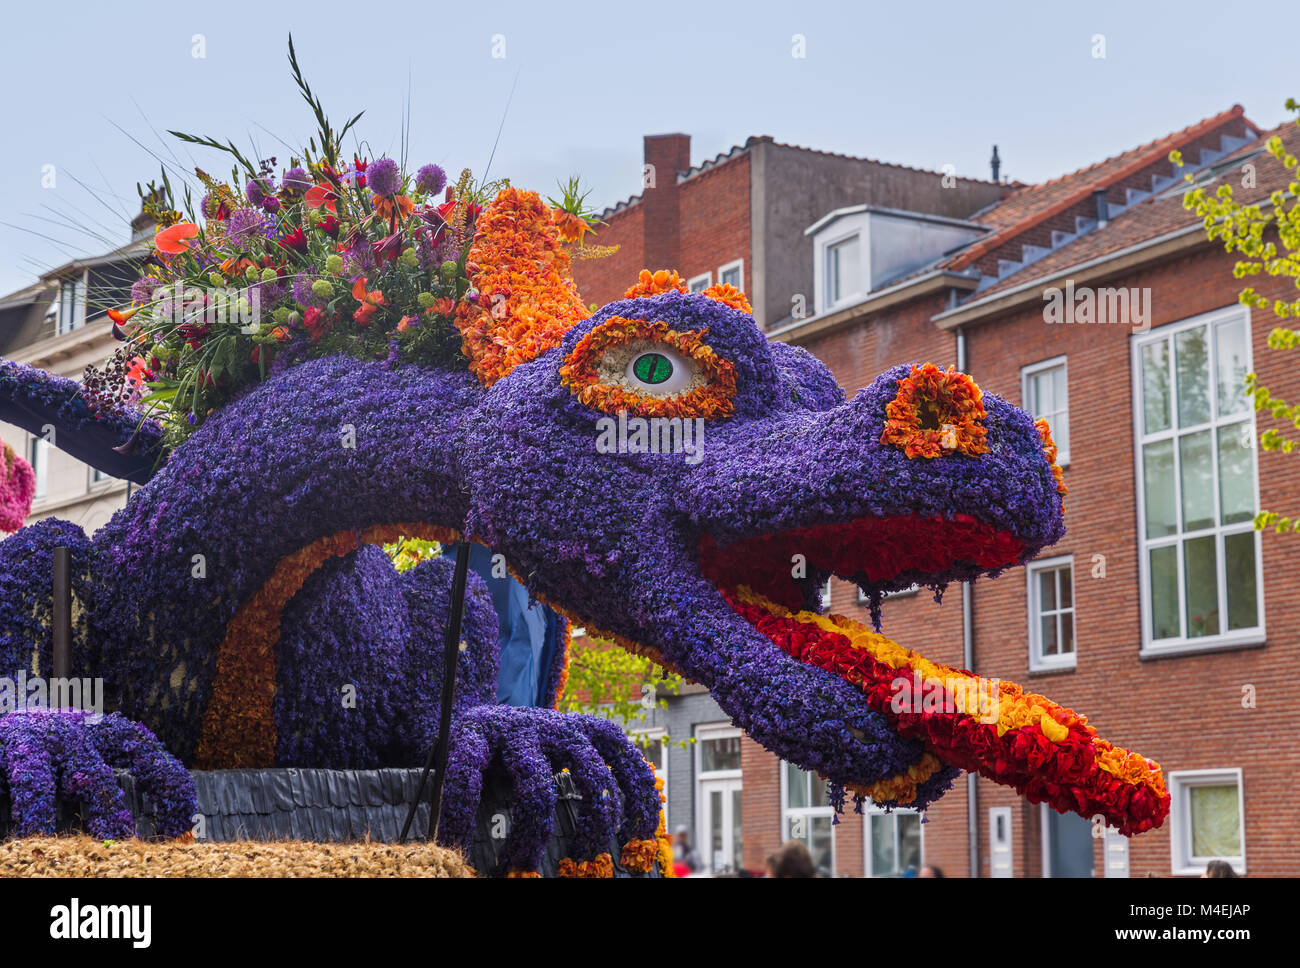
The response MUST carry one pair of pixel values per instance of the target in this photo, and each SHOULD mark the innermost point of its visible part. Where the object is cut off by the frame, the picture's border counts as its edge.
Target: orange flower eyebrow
(936, 412)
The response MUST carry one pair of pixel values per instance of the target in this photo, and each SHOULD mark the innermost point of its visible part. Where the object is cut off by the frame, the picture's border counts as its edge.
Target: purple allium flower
(269, 294)
(358, 261)
(302, 293)
(245, 225)
(430, 179)
(142, 289)
(257, 189)
(384, 177)
(296, 181)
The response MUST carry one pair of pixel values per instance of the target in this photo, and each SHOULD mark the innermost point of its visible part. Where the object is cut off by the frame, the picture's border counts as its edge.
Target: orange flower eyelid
(710, 398)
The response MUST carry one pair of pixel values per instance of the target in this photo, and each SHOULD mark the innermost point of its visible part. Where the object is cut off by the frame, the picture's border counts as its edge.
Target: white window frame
(809, 813)
(661, 735)
(870, 810)
(826, 246)
(1037, 661)
(1026, 372)
(1226, 639)
(708, 731)
(727, 267)
(1182, 863)
(38, 455)
(63, 326)
(704, 280)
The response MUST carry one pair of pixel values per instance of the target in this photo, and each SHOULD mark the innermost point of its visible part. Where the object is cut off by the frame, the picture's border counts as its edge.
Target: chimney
(143, 225)
(1103, 206)
(995, 163)
(665, 156)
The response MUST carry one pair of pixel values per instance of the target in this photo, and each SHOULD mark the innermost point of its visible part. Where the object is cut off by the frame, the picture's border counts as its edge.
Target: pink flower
(17, 485)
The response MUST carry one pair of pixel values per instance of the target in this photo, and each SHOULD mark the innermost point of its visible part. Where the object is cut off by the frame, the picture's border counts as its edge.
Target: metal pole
(62, 607)
(437, 758)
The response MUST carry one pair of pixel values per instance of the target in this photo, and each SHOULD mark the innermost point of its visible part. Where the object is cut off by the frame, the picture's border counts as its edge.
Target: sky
(90, 89)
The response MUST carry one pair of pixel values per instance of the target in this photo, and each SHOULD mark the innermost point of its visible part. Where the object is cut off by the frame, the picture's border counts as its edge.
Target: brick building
(1094, 300)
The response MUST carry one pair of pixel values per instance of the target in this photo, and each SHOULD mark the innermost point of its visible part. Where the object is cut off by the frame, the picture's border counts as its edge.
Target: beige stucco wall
(70, 492)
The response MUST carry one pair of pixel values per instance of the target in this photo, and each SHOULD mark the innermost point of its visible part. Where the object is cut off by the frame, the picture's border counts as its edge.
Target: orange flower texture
(653, 283)
(527, 299)
(602, 866)
(639, 855)
(729, 295)
(571, 227)
(936, 413)
(1049, 449)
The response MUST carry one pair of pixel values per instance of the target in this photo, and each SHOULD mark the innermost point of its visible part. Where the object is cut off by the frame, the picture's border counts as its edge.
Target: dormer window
(71, 304)
(864, 249)
(844, 269)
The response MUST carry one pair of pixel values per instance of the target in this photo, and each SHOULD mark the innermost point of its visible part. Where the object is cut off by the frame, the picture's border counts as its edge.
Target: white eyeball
(660, 371)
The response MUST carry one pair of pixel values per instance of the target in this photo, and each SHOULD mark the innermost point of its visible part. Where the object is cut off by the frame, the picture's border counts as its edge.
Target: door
(1067, 844)
(720, 818)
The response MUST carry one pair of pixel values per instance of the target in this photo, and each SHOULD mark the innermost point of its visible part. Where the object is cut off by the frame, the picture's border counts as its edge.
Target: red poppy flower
(316, 323)
(318, 196)
(138, 372)
(176, 238)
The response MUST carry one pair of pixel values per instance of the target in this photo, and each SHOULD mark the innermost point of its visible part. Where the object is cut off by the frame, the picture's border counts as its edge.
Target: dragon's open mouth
(789, 567)
(1043, 750)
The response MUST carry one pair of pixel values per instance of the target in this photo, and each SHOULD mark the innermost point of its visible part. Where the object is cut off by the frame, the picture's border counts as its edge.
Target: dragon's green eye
(652, 368)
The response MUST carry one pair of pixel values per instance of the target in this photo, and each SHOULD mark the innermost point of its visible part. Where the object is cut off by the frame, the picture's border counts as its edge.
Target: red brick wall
(715, 220)
(711, 212)
(760, 803)
(1183, 711)
(604, 280)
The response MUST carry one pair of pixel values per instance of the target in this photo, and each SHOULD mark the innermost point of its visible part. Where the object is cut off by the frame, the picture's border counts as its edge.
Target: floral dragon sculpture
(243, 583)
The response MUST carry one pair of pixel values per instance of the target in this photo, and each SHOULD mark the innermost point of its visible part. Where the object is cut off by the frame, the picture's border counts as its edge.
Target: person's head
(791, 860)
(929, 870)
(682, 834)
(1219, 868)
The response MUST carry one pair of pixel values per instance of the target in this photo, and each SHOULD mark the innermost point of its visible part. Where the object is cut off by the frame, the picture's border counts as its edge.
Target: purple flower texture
(384, 177)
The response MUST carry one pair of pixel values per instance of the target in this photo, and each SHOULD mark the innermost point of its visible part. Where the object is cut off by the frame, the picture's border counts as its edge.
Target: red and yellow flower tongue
(1046, 752)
